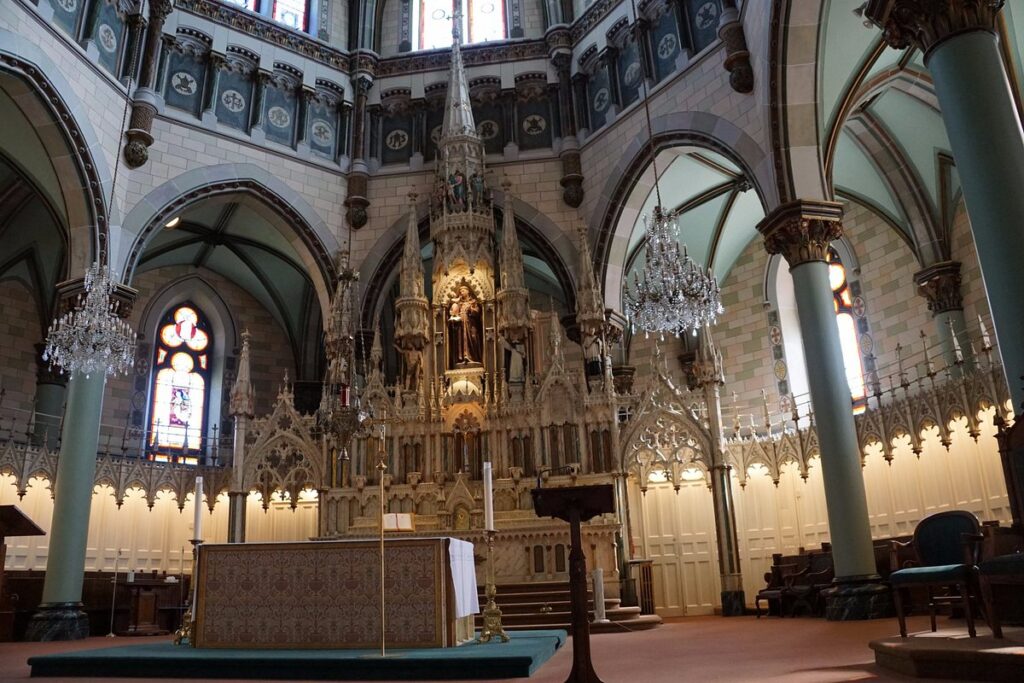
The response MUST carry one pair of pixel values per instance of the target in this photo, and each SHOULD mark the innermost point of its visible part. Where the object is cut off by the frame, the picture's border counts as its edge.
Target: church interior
(281, 278)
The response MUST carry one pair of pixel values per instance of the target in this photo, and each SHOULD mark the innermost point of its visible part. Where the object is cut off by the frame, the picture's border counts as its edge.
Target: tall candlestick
(197, 524)
(488, 498)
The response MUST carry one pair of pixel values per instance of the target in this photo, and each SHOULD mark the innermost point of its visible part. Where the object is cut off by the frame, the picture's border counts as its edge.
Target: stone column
(801, 231)
(60, 615)
(961, 51)
(145, 104)
(559, 42)
(217, 62)
(49, 403)
(709, 376)
(358, 176)
(737, 56)
(939, 284)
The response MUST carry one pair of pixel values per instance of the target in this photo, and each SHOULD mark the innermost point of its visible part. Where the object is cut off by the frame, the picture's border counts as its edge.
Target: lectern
(13, 522)
(576, 504)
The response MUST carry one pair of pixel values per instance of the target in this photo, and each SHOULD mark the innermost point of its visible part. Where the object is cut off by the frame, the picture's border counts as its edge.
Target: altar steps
(547, 605)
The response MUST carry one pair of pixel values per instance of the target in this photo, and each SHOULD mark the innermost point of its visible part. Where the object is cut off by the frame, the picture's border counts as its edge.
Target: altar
(326, 594)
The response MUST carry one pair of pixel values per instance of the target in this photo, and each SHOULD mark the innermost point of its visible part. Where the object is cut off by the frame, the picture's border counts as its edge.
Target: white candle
(197, 524)
(488, 498)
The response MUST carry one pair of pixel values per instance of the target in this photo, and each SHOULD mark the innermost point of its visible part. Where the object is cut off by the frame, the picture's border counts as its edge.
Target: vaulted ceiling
(716, 209)
(231, 235)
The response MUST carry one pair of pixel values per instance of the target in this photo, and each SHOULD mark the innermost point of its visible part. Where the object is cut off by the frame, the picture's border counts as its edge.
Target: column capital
(925, 24)
(159, 10)
(939, 284)
(802, 230)
(68, 292)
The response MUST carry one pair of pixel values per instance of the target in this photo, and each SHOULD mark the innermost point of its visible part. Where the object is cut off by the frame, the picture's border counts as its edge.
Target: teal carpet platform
(518, 658)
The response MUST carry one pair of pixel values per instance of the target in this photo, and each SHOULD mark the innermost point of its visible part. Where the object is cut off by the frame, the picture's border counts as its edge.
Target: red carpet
(695, 649)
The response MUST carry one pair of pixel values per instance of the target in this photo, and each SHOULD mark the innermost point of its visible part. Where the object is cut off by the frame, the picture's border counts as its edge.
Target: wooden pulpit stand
(576, 504)
(13, 522)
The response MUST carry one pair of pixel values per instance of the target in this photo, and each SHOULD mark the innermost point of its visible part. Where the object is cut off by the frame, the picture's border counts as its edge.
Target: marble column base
(734, 604)
(858, 600)
(58, 621)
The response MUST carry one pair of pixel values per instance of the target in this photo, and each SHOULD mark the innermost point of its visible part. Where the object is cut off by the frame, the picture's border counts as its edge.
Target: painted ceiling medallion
(279, 117)
(107, 38)
(534, 125)
(397, 139)
(184, 83)
(323, 132)
(233, 101)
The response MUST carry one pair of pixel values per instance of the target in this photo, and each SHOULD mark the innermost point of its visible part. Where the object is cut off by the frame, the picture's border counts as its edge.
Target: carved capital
(737, 56)
(924, 24)
(802, 230)
(572, 179)
(159, 10)
(356, 202)
(68, 292)
(939, 284)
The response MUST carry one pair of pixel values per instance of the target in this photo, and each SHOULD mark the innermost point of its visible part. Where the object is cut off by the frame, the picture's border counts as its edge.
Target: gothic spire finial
(242, 398)
(458, 113)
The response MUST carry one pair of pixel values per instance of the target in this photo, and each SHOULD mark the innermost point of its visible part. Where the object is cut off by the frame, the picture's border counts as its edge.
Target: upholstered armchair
(946, 547)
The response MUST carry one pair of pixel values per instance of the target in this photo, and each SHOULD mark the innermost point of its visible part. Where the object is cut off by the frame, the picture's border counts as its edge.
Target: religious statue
(457, 191)
(438, 200)
(413, 362)
(593, 353)
(515, 361)
(464, 329)
(478, 188)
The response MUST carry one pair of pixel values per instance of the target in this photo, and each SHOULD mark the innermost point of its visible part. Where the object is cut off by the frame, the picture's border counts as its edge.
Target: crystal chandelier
(675, 293)
(91, 337)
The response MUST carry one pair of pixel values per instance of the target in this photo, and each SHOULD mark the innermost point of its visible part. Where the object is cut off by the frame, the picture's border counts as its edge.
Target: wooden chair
(803, 588)
(773, 592)
(946, 546)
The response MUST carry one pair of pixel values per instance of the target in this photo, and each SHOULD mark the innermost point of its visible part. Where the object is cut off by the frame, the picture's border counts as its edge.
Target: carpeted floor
(693, 649)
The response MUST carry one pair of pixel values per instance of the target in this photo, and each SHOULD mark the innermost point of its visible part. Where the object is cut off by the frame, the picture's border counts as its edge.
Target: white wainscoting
(678, 529)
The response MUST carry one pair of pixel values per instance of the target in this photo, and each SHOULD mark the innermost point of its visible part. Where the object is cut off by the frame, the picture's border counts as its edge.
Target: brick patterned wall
(271, 351)
(975, 299)
(20, 330)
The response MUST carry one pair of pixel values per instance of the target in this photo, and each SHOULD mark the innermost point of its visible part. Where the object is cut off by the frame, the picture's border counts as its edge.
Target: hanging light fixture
(92, 337)
(673, 293)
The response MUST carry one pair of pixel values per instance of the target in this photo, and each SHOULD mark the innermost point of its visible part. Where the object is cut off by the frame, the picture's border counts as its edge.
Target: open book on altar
(399, 521)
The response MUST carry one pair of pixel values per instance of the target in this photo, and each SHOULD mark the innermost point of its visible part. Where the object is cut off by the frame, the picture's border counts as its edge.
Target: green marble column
(49, 401)
(60, 616)
(961, 51)
(801, 231)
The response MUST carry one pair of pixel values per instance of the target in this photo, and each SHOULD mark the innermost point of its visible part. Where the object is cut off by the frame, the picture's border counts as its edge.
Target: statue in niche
(593, 354)
(515, 361)
(478, 188)
(457, 191)
(465, 326)
(413, 362)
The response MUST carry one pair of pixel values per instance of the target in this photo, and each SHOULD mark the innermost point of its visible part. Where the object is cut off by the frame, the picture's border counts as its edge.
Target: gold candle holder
(492, 613)
(185, 631)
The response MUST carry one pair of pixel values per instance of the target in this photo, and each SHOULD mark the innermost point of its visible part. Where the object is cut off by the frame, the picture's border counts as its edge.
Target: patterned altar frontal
(326, 594)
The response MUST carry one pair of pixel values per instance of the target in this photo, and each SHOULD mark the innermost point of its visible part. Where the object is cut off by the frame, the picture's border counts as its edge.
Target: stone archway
(31, 78)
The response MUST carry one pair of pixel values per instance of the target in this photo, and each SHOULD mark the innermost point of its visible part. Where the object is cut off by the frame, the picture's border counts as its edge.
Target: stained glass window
(181, 376)
(843, 302)
(291, 13)
(482, 20)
